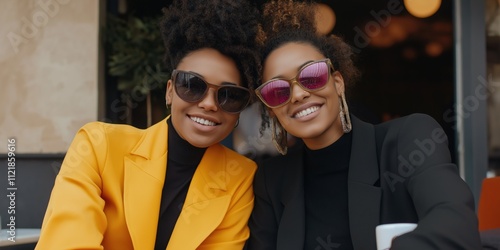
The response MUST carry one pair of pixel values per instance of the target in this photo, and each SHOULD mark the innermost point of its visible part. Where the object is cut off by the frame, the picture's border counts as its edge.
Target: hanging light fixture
(325, 18)
(422, 8)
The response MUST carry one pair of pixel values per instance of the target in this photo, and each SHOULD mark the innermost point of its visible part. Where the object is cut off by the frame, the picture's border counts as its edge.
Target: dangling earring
(279, 136)
(345, 119)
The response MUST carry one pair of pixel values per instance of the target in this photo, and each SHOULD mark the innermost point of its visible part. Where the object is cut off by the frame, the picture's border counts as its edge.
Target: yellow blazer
(107, 194)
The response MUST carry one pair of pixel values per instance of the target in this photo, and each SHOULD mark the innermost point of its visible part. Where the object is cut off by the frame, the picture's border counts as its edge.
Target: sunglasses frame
(175, 72)
(294, 80)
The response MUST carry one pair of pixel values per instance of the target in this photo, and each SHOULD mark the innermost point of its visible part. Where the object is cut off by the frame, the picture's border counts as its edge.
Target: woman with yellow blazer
(173, 185)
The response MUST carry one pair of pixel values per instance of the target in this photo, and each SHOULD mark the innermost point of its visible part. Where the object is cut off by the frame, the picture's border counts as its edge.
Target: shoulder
(276, 163)
(411, 127)
(276, 167)
(98, 130)
(410, 121)
(234, 157)
(417, 137)
(103, 135)
(101, 128)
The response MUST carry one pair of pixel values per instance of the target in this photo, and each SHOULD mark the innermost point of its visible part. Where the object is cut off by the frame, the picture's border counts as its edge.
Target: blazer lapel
(364, 196)
(206, 202)
(144, 174)
(291, 231)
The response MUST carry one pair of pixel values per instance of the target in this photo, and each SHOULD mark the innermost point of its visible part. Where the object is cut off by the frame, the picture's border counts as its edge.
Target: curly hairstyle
(285, 21)
(228, 26)
(289, 21)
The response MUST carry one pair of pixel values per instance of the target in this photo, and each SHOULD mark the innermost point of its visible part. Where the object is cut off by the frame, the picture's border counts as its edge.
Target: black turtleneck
(182, 161)
(325, 182)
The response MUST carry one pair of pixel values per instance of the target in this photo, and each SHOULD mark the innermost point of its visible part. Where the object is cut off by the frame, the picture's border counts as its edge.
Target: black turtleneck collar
(180, 151)
(182, 161)
(326, 194)
(335, 156)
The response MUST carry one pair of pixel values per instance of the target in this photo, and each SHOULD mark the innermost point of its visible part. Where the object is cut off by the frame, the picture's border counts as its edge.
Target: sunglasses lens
(275, 92)
(233, 99)
(314, 76)
(189, 88)
(192, 88)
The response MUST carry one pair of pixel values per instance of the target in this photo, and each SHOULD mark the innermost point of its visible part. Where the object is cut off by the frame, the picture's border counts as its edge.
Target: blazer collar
(291, 230)
(144, 175)
(363, 165)
(363, 196)
(206, 201)
(156, 135)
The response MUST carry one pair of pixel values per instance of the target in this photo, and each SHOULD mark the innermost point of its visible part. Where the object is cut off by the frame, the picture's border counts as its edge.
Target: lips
(202, 121)
(306, 111)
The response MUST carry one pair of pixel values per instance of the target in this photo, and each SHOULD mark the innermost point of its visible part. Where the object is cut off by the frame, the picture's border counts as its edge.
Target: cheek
(281, 114)
(329, 93)
(231, 118)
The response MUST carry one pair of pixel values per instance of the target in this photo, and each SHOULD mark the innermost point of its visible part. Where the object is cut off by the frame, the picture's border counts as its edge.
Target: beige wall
(48, 72)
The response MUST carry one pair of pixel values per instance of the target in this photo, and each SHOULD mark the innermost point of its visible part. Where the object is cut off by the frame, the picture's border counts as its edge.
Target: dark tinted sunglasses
(192, 88)
(311, 77)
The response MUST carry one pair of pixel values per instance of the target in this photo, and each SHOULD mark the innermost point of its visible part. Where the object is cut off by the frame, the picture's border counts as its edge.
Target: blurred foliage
(135, 54)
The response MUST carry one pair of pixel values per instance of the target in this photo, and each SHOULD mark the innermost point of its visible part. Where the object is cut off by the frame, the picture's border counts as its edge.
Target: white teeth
(203, 121)
(306, 112)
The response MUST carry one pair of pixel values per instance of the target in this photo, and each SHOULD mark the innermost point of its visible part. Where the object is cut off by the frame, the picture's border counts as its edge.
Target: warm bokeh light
(325, 18)
(434, 49)
(422, 8)
(394, 32)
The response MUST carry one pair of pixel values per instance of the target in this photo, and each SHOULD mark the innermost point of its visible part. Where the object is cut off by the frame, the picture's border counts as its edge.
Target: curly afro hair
(289, 21)
(285, 21)
(228, 26)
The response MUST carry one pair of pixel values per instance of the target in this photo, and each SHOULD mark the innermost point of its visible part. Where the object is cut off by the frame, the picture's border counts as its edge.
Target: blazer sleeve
(74, 218)
(262, 223)
(233, 231)
(442, 200)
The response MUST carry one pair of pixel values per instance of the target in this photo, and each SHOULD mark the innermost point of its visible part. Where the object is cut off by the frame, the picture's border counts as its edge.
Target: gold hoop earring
(345, 119)
(279, 136)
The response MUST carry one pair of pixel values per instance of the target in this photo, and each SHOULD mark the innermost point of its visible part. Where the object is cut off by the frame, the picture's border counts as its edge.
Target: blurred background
(64, 63)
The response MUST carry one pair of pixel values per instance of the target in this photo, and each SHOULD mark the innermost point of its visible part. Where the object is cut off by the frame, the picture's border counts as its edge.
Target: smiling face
(203, 123)
(311, 116)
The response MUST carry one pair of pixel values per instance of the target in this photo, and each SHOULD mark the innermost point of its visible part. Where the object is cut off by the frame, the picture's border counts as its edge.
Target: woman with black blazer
(346, 176)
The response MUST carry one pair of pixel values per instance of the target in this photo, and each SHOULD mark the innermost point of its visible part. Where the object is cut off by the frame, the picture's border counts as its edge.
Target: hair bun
(287, 15)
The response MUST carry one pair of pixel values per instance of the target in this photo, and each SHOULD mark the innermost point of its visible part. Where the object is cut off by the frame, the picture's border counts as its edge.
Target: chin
(310, 131)
(203, 142)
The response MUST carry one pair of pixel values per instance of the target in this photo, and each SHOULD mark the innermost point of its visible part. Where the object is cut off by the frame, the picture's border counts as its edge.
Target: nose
(209, 102)
(297, 93)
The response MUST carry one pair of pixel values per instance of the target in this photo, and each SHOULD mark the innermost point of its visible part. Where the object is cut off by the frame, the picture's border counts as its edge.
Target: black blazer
(399, 171)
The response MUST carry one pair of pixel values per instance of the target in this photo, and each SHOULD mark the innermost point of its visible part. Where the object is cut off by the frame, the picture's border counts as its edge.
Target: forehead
(212, 65)
(286, 60)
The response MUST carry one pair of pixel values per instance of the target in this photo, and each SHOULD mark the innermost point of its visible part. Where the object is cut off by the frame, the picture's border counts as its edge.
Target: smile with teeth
(202, 121)
(307, 111)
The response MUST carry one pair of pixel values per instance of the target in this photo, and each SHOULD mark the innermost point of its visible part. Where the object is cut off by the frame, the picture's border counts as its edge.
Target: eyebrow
(298, 68)
(196, 74)
(304, 64)
(222, 83)
(228, 83)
